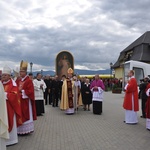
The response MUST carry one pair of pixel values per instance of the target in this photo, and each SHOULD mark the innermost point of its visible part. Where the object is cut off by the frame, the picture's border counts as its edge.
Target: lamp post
(42, 72)
(111, 64)
(31, 64)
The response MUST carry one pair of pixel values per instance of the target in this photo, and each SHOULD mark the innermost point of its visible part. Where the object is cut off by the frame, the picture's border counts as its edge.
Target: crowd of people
(23, 98)
(18, 110)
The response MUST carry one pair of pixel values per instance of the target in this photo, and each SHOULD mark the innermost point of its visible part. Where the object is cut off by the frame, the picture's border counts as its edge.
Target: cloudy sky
(94, 31)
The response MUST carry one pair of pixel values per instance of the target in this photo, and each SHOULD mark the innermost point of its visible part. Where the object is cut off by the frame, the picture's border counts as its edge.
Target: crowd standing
(23, 98)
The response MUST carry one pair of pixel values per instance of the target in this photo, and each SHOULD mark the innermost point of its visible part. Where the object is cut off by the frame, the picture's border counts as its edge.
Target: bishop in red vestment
(26, 90)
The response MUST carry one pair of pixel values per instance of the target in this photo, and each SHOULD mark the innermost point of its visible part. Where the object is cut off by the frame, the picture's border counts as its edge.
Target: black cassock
(86, 98)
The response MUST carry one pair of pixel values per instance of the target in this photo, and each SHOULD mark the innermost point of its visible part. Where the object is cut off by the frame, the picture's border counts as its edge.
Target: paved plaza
(86, 131)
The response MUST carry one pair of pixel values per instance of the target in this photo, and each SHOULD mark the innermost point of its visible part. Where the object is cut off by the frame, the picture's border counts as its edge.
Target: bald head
(131, 73)
(96, 77)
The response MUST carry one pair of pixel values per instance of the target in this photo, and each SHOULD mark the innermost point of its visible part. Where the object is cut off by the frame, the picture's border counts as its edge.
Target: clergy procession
(23, 100)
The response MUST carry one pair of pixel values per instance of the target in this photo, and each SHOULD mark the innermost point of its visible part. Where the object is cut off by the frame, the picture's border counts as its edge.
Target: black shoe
(148, 129)
(76, 109)
(142, 116)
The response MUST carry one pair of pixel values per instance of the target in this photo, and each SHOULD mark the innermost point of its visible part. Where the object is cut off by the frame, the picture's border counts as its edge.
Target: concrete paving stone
(86, 131)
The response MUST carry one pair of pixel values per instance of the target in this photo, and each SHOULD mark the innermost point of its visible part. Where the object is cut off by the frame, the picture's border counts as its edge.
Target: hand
(20, 88)
(41, 86)
(95, 87)
(6, 95)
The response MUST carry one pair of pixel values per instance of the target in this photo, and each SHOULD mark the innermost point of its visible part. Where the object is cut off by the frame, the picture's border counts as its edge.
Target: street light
(31, 64)
(42, 72)
(111, 64)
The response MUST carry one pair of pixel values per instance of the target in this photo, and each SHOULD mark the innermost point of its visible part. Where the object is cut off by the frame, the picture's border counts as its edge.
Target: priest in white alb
(3, 119)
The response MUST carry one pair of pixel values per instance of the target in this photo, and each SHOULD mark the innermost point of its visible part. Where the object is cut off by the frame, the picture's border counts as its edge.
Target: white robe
(28, 126)
(13, 137)
(131, 115)
(147, 123)
(37, 90)
(3, 119)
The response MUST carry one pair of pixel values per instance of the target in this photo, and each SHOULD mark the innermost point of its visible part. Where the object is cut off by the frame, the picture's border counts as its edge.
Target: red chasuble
(131, 92)
(13, 103)
(27, 86)
(147, 109)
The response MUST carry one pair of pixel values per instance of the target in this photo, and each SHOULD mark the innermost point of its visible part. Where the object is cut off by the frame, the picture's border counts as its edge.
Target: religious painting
(64, 60)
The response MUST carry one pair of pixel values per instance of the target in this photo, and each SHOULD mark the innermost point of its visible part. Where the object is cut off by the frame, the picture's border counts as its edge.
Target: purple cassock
(98, 83)
(97, 87)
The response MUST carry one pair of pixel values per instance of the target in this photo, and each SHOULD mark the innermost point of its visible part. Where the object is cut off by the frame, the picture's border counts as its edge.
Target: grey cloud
(42, 43)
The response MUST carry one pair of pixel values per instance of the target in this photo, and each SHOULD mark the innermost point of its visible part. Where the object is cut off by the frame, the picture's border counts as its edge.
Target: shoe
(76, 109)
(142, 116)
(148, 129)
(131, 123)
(88, 109)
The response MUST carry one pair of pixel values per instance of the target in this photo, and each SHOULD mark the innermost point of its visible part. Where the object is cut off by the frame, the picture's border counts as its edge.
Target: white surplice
(98, 95)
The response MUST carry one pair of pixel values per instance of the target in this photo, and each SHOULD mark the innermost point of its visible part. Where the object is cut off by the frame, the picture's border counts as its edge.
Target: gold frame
(62, 54)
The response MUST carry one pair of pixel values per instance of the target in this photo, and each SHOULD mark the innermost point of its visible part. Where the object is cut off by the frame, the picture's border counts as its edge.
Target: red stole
(70, 95)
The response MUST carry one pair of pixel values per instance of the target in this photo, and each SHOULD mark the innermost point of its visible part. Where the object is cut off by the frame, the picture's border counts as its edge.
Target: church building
(139, 50)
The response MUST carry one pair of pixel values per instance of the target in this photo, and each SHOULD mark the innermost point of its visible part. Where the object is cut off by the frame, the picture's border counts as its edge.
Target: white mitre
(6, 70)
